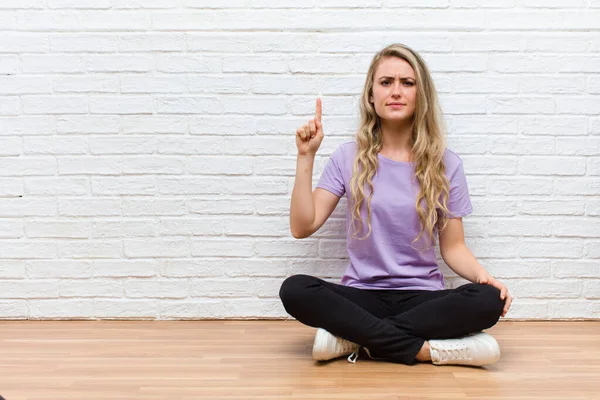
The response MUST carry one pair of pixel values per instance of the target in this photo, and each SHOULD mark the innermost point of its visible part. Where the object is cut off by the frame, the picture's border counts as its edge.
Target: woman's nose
(397, 89)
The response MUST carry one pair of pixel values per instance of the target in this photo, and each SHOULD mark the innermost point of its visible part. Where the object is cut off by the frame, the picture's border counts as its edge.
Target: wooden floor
(168, 360)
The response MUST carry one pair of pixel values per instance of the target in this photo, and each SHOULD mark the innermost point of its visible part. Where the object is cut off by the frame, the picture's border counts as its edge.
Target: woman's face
(394, 90)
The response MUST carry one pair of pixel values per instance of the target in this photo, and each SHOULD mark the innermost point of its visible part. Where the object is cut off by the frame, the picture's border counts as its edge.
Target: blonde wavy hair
(427, 141)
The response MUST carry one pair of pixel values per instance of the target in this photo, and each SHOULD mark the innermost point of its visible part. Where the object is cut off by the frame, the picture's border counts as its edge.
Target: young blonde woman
(404, 189)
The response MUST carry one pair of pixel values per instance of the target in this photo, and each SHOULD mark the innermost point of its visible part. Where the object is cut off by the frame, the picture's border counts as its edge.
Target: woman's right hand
(310, 136)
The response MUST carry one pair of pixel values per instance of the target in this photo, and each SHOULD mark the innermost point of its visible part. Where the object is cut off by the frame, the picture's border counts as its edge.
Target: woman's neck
(397, 142)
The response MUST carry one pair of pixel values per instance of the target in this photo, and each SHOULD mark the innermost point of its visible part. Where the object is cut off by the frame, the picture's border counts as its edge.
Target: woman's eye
(407, 83)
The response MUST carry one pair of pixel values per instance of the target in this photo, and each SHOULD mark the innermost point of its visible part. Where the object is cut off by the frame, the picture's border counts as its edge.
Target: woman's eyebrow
(404, 77)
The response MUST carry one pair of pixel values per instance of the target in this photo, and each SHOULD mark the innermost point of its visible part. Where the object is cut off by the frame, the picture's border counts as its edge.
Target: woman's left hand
(490, 280)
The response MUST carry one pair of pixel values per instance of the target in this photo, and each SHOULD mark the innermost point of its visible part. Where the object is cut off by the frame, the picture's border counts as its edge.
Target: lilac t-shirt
(386, 259)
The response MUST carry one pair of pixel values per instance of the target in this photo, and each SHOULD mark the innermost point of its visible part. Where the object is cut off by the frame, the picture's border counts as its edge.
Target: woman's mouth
(396, 105)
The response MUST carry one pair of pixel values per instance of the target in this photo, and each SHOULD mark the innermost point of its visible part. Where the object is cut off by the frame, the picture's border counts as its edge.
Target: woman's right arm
(309, 209)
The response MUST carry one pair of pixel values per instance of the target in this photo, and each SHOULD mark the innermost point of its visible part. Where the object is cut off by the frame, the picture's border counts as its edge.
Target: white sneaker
(328, 346)
(476, 349)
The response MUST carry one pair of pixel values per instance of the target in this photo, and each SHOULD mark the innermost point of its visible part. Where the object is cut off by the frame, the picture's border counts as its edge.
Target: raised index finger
(319, 112)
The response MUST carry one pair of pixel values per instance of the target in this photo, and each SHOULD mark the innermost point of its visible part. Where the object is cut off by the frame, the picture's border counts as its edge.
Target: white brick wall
(147, 147)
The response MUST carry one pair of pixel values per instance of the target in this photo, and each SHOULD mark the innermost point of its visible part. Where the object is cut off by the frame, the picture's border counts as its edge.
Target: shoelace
(353, 357)
(454, 354)
(345, 346)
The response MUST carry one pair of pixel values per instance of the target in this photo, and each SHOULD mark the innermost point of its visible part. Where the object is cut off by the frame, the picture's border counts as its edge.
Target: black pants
(392, 324)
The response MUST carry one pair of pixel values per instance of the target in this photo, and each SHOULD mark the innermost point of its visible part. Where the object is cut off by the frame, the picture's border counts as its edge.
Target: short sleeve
(459, 201)
(332, 179)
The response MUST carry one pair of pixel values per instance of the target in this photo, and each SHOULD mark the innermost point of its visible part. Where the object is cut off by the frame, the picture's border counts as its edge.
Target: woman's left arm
(459, 258)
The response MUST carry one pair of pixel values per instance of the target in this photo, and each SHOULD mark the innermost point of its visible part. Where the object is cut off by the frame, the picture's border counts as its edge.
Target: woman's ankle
(424, 354)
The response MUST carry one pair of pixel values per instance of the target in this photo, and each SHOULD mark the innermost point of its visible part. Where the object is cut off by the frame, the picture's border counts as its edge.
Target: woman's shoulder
(349, 146)
(451, 157)
(346, 150)
(452, 161)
